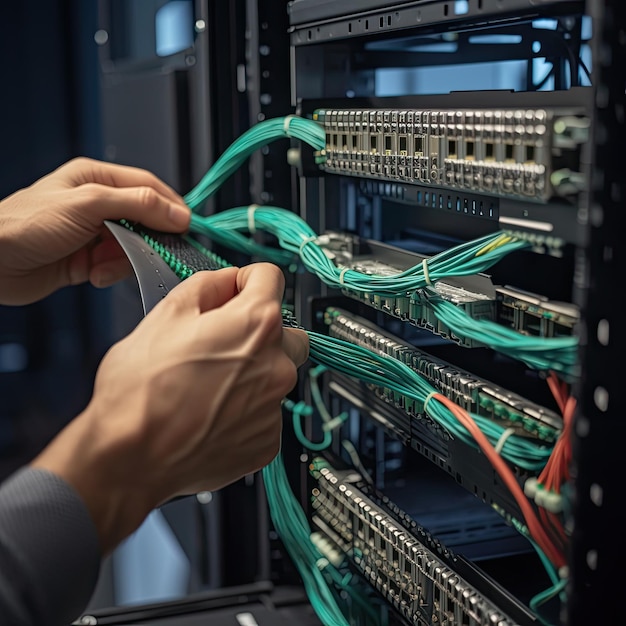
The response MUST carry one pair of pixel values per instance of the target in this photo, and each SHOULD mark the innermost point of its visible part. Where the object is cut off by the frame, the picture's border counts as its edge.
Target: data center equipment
(446, 215)
(443, 122)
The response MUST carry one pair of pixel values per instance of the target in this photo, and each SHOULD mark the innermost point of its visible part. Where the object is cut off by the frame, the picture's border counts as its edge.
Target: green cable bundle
(385, 371)
(261, 134)
(296, 237)
(293, 528)
(299, 240)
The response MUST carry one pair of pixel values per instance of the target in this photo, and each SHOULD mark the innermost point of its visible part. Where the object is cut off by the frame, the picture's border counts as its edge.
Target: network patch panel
(533, 314)
(529, 314)
(474, 294)
(530, 154)
(421, 578)
(422, 435)
(469, 391)
(404, 419)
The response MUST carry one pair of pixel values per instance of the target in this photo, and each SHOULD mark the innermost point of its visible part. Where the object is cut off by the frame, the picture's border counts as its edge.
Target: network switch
(469, 391)
(421, 578)
(527, 313)
(531, 154)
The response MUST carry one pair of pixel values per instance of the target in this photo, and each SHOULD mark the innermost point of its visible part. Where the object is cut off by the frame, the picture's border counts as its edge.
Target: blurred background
(139, 83)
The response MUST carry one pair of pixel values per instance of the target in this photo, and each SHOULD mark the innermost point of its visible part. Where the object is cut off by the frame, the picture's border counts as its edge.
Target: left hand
(52, 234)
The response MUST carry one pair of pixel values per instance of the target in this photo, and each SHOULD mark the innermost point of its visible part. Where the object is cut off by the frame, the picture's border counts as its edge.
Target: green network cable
(261, 134)
(385, 371)
(293, 528)
(320, 577)
(302, 242)
(555, 353)
(297, 240)
(296, 237)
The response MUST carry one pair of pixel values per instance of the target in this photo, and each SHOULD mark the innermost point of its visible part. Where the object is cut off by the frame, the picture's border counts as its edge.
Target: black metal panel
(558, 220)
(156, 111)
(576, 97)
(598, 542)
(303, 11)
(267, 83)
(314, 22)
(259, 601)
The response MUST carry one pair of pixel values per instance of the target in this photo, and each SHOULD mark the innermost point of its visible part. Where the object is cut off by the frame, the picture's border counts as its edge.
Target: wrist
(101, 468)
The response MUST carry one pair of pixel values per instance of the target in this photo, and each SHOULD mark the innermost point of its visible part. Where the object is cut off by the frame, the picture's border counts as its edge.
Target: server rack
(337, 53)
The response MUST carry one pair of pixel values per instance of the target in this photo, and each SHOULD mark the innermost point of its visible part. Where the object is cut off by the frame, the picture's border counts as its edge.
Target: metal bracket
(154, 276)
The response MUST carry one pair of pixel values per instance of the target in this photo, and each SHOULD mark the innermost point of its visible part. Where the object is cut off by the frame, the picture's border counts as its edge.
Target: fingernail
(179, 216)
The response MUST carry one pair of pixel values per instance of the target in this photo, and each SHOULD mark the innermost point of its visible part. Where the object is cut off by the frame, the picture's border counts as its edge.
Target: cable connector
(335, 422)
(549, 500)
(331, 555)
(530, 487)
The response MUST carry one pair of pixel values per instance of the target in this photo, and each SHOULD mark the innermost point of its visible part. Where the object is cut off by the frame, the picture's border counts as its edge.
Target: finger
(106, 249)
(257, 306)
(206, 290)
(246, 326)
(136, 204)
(102, 262)
(110, 272)
(296, 345)
(83, 170)
(263, 281)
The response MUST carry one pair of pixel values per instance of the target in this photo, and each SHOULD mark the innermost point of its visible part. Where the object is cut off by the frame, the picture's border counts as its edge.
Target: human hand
(52, 233)
(188, 402)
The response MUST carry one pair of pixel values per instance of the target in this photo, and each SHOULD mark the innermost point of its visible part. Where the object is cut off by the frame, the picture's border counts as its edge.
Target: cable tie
(342, 274)
(304, 242)
(286, 123)
(428, 398)
(322, 563)
(335, 422)
(251, 224)
(503, 437)
(425, 270)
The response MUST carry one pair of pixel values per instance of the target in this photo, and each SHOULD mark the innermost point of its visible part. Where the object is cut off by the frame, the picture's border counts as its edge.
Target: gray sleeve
(49, 552)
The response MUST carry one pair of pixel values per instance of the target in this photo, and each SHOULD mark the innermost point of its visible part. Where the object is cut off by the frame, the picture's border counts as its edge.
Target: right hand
(189, 401)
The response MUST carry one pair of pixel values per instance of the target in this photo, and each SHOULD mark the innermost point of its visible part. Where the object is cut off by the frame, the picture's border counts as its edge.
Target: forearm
(97, 457)
(49, 552)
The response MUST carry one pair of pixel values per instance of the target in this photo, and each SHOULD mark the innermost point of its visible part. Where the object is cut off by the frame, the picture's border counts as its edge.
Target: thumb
(207, 289)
